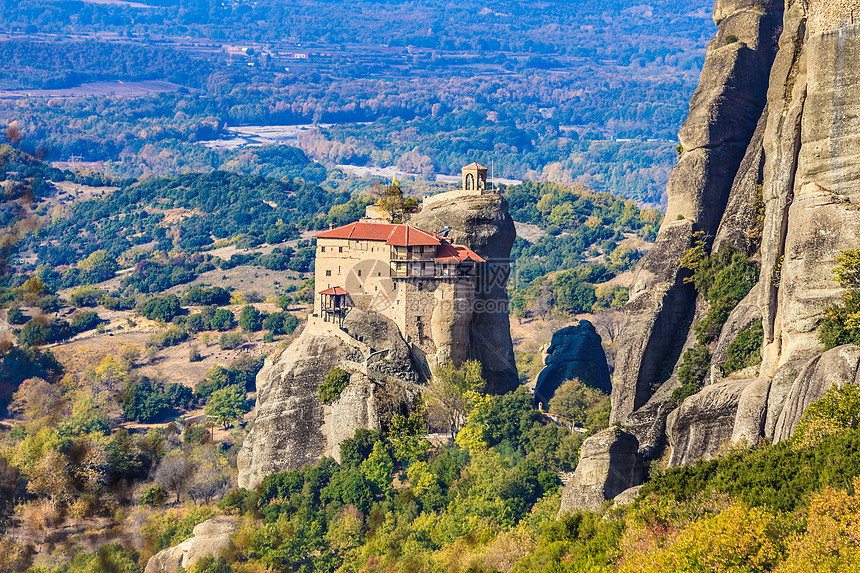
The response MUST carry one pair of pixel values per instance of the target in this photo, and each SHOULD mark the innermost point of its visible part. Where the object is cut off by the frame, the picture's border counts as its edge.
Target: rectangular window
(340, 249)
(328, 273)
(408, 249)
(359, 272)
(322, 249)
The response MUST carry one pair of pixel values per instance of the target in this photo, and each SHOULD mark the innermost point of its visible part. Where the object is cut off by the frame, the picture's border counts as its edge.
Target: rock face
(574, 352)
(292, 427)
(771, 166)
(608, 465)
(210, 537)
(482, 223)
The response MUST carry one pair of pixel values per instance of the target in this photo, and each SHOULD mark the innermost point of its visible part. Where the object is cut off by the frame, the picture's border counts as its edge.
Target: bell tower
(474, 177)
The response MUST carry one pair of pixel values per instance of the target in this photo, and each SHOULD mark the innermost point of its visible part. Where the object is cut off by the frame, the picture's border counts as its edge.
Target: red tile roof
(400, 236)
(407, 236)
(360, 231)
(334, 291)
(449, 253)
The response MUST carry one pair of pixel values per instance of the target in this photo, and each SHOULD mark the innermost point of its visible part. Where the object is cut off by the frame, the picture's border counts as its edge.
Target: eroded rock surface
(292, 427)
(790, 201)
(209, 538)
(609, 464)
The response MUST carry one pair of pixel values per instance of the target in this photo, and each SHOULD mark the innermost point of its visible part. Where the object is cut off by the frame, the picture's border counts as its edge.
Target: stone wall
(832, 14)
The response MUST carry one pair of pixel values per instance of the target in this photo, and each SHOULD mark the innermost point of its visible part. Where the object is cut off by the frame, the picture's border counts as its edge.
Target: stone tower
(474, 177)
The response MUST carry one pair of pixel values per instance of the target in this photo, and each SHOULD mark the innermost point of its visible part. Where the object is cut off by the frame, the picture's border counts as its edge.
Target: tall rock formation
(482, 223)
(293, 428)
(770, 166)
(574, 352)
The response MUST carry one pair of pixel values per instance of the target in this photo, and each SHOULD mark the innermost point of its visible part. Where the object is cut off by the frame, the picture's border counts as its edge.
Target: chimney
(330, 226)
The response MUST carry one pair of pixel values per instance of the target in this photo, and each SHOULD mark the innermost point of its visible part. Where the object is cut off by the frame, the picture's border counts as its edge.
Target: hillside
(564, 91)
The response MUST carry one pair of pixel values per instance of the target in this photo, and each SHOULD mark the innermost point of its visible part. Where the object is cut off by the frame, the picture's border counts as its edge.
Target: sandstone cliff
(769, 167)
(292, 426)
(482, 223)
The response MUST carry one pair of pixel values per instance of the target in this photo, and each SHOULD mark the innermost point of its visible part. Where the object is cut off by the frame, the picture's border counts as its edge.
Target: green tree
(581, 404)
(450, 394)
(228, 405)
(153, 496)
(837, 411)
(378, 468)
(163, 307)
(250, 319)
(223, 319)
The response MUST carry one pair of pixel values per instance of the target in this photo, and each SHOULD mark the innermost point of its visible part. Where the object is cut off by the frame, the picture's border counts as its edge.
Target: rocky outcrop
(771, 166)
(209, 538)
(482, 223)
(720, 127)
(609, 464)
(836, 367)
(292, 427)
(574, 352)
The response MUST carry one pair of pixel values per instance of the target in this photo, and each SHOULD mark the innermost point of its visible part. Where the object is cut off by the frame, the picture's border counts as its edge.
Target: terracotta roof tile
(360, 231)
(408, 236)
(334, 291)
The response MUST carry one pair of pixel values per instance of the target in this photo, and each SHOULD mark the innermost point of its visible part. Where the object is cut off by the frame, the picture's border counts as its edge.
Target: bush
(745, 349)
(583, 405)
(250, 319)
(15, 316)
(281, 323)
(691, 374)
(163, 307)
(171, 337)
(178, 395)
(86, 296)
(202, 296)
(154, 496)
(223, 319)
(38, 331)
(143, 401)
(85, 321)
(231, 340)
(335, 382)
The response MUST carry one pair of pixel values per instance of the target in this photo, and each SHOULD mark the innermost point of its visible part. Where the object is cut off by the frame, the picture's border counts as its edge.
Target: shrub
(281, 323)
(194, 354)
(170, 337)
(178, 395)
(583, 405)
(250, 319)
(223, 319)
(86, 296)
(143, 401)
(85, 321)
(153, 496)
(335, 382)
(202, 296)
(163, 307)
(745, 349)
(837, 411)
(693, 369)
(731, 39)
(231, 340)
(15, 316)
(38, 331)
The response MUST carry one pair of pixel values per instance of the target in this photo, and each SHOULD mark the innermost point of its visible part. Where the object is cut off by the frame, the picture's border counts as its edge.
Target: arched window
(470, 182)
